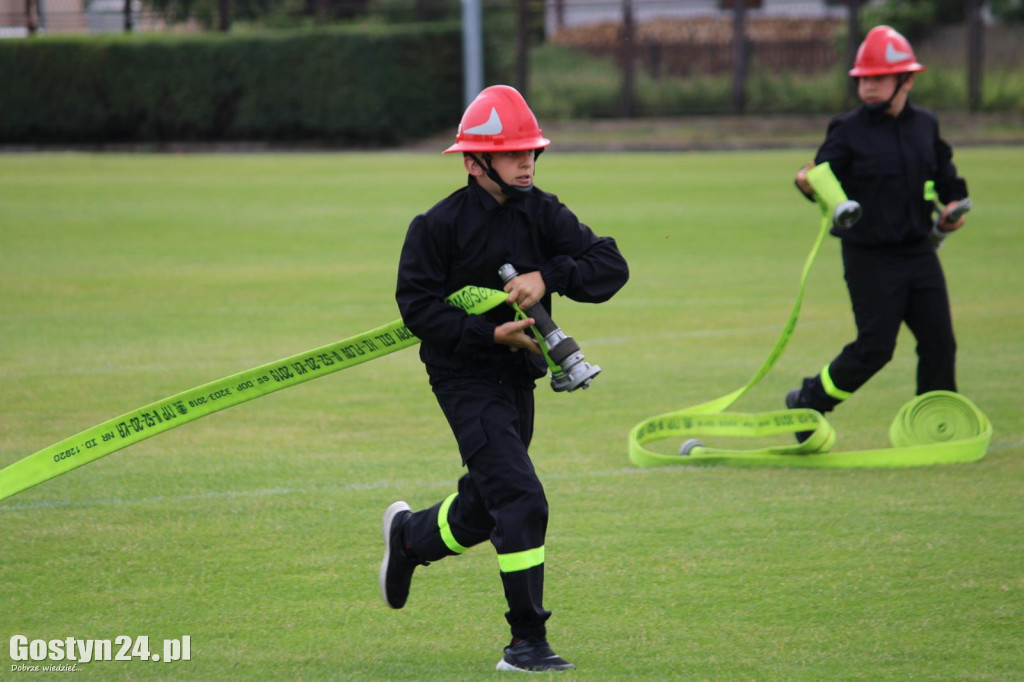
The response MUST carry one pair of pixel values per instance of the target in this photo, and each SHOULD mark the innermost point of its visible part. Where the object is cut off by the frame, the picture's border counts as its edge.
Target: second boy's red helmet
(884, 52)
(498, 120)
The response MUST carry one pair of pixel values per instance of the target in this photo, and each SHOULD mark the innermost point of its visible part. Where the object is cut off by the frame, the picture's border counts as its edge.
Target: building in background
(19, 18)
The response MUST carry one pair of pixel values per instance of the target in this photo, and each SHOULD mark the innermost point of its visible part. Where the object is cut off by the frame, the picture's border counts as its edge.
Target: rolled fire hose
(182, 408)
(939, 427)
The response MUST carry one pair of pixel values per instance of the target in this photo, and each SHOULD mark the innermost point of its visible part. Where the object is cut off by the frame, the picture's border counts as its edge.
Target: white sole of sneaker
(389, 517)
(505, 666)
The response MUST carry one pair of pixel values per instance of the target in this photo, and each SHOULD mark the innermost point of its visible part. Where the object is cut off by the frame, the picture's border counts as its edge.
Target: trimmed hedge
(370, 85)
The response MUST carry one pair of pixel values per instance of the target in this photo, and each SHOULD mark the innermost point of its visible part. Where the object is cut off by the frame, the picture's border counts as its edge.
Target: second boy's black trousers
(887, 288)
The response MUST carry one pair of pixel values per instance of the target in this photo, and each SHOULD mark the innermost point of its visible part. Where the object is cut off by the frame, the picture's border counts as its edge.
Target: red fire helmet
(884, 51)
(498, 120)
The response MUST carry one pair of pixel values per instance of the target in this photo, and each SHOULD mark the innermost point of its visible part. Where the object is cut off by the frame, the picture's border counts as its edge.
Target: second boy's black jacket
(463, 240)
(883, 162)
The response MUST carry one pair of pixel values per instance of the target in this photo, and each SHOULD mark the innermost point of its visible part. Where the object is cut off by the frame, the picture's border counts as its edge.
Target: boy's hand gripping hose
(569, 369)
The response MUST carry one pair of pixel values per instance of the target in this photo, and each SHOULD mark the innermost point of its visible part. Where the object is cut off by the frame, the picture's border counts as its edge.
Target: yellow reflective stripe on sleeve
(446, 530)
(520, 561)
(830, 388)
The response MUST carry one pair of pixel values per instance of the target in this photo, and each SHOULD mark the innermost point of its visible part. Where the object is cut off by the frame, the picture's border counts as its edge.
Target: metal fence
(681, 37)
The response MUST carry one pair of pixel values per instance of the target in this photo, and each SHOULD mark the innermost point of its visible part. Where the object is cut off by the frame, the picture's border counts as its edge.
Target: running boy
(485, 387)
(884, 153)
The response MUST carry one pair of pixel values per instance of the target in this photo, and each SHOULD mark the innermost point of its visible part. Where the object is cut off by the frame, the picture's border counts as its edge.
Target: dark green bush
(371, 85)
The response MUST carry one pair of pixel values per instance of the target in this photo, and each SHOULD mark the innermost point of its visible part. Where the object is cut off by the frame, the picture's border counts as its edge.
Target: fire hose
(569, 371)
(938, 427)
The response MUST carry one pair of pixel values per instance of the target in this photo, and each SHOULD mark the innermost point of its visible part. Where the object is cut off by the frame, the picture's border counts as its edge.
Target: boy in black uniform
(883, 153)
(485, 387)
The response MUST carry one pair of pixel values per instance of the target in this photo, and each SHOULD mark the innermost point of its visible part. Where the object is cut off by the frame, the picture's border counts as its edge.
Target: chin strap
(883, 107)
(510, 191)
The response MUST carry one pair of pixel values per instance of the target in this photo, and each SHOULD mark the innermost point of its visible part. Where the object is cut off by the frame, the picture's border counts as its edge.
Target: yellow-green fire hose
(182, 408)
(939, 427)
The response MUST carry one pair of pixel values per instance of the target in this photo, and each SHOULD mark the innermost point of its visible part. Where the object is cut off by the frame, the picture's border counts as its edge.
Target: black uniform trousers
(500, 497)
(888, 287)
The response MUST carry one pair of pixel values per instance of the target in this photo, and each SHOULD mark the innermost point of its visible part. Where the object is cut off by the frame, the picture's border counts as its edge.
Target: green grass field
(255, 531)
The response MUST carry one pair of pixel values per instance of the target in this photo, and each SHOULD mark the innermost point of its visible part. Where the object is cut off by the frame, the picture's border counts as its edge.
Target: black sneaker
(532, 657)
(396, 569)
(792, 403)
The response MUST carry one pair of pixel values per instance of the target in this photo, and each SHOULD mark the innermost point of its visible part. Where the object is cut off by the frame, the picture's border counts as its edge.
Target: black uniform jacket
(883, 162)
(463, 240)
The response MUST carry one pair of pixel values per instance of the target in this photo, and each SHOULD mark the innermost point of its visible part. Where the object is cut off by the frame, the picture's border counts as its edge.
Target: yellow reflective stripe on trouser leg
(830, 387)
(520, 561)
(446, 530)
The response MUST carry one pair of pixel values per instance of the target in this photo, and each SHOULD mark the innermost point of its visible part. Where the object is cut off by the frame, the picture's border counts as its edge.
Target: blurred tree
(396, 11)
(949, 11)
(212, 13)
(912, 18)
(1007, 10)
